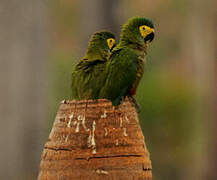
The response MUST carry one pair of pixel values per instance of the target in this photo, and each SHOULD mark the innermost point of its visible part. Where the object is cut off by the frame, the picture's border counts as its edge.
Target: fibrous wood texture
(94, 140)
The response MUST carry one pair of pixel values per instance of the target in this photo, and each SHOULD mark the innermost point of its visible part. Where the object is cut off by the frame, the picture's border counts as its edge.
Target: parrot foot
(137, 106)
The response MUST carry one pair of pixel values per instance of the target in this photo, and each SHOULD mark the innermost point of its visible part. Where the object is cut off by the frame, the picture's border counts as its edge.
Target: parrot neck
(94, 54)
(131, 40)
(138, 47)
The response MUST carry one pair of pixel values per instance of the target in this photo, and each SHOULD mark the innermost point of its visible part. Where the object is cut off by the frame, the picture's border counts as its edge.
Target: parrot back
(120, 75)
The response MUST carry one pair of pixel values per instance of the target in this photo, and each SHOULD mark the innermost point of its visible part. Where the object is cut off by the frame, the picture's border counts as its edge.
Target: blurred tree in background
(177, 94)
(23, 84)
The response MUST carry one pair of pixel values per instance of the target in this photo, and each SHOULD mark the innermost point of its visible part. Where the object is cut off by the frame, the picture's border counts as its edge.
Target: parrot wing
(88, 78)
(120, 75)
(74, 82)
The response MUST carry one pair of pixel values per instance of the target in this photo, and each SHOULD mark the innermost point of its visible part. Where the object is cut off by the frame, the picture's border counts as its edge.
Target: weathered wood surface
(93, 140)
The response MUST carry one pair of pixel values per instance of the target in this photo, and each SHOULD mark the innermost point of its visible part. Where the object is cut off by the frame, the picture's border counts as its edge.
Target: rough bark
(94, 140)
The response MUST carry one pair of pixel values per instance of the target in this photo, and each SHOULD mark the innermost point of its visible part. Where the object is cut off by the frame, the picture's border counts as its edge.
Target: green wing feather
(121, 73)
(74, 82)
(87, 79)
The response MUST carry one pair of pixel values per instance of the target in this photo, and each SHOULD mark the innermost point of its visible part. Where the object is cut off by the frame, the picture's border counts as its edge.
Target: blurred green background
(41, 40)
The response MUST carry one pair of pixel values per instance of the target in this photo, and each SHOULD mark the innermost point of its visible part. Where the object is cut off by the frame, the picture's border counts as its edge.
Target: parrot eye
(110, 42)
(145, 30)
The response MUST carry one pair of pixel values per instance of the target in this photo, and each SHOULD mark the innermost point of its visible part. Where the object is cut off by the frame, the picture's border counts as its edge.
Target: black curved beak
(149, 37)
(113, 47)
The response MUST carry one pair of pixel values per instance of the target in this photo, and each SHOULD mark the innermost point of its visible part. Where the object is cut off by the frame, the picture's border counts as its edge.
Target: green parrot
(125, 67)
(87, 76)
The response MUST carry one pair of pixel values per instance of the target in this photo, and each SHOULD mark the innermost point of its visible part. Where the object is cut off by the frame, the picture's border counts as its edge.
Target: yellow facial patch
(110, 42)
(145, 30)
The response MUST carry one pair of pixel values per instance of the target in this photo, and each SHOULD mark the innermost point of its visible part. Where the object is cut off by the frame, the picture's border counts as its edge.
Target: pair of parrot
(110, 71)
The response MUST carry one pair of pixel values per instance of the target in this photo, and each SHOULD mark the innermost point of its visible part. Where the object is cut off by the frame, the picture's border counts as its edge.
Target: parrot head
(100, 45)
(138, 30)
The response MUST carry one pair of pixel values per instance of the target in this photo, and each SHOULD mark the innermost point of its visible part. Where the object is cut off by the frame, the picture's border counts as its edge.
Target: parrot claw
(137, 106)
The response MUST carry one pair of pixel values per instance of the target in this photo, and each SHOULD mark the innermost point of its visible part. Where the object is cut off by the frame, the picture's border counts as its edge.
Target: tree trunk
(100, 15)
(202, 61)
(94, 140)
(23, 49)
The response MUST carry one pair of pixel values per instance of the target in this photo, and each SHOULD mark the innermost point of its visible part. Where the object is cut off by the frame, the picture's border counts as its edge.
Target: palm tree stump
(91, 139)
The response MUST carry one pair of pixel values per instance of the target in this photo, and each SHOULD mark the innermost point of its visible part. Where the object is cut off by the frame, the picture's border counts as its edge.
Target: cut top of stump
(91, 139)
